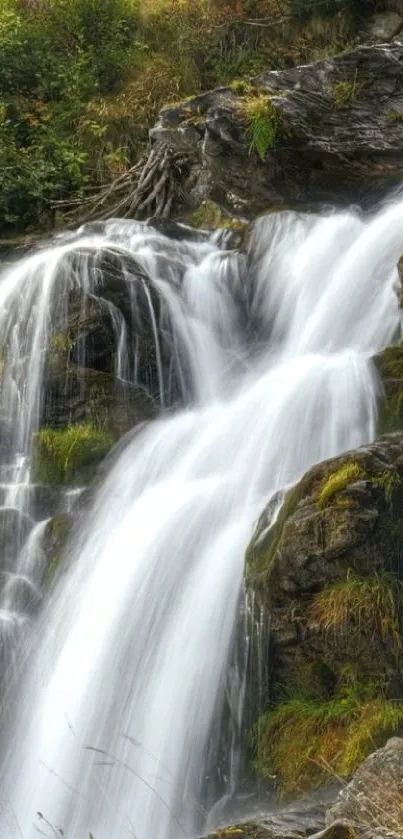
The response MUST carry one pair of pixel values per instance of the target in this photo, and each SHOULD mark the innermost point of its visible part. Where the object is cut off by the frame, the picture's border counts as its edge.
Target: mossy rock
(55, 539)
(70, 455)
(328, 576)
(389, 364)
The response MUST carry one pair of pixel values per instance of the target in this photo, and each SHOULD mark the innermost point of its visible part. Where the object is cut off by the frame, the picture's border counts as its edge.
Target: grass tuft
(357, 604)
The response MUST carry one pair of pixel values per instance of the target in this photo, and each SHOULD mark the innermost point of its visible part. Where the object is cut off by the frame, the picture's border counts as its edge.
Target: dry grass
(361, 605)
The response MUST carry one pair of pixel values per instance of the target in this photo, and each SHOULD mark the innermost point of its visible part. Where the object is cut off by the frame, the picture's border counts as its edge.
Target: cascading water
(116, 710)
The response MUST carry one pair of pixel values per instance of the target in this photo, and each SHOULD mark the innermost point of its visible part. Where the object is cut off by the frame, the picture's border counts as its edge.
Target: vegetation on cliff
(82, 80)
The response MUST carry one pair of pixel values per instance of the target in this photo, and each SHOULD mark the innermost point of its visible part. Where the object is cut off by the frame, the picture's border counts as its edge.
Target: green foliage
(262, 122)
(337, 481)
(303, 741)
(68, 455)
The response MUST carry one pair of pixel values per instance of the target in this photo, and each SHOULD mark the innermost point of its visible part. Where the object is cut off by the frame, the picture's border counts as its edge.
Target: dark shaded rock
(317, 543)
(389, 364)
(374, 797)
(339, 134)
(77, 394)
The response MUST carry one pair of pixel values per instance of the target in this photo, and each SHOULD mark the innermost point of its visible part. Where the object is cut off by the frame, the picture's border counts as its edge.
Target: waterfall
(264, 359)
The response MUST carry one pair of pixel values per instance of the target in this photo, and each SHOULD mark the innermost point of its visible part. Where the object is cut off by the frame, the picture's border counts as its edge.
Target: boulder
(374, 796)
(327, 575)
(383, 27)
(343, 518)
(328, 131)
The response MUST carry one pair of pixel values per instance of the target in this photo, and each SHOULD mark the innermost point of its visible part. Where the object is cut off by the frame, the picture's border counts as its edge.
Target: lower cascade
(253, 367)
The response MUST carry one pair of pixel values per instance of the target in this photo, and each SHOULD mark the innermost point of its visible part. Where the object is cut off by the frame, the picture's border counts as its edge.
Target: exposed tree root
(149, 188)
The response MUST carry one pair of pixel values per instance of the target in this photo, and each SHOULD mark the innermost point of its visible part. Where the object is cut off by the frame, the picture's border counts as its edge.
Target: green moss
(241, 87)
(344, 93)
(395, 116)
(60, 341)
(210, 217)
(69, 455)
(339, 480)
(304, 742)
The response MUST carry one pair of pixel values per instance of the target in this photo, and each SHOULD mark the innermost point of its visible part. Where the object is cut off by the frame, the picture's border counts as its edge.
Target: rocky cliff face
(328, 131)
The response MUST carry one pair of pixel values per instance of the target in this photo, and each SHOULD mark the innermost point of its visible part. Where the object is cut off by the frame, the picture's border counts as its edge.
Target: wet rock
(374, 797)
(336, 134)
(77, 394)
(14, 529)
(55, 538)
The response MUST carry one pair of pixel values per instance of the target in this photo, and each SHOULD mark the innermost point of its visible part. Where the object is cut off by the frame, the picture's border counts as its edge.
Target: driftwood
(149, 188)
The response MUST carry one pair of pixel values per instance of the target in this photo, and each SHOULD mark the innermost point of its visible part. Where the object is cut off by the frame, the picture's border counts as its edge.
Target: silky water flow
(113, 686)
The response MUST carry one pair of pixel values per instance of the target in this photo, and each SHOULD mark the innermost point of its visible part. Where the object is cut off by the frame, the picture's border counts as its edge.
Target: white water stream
(129, 657)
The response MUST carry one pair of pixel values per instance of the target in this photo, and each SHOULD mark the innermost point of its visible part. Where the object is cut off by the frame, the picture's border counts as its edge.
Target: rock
(14, 529)
(374, 797)
(69, 456)
(77, 394)
(383, 27)
(389, 364)
(333, 129)
(55, 539)
(313, 545)
(327, 575)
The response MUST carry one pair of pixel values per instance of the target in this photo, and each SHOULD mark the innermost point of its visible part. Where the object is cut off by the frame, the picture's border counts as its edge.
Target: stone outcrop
(374, 796)
(332, 131)
(318, 540)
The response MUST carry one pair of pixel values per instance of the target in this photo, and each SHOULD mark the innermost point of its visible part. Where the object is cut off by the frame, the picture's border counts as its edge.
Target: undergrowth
(83, 80)
(303, 741)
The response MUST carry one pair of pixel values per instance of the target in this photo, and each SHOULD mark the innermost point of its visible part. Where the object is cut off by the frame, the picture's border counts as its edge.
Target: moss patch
(69, 455)
(303, 743)
(338, 481)
(211, 217)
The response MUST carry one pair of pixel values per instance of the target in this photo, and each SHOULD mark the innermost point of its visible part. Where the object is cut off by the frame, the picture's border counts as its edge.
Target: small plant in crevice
(262, 124)
(344, 93)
